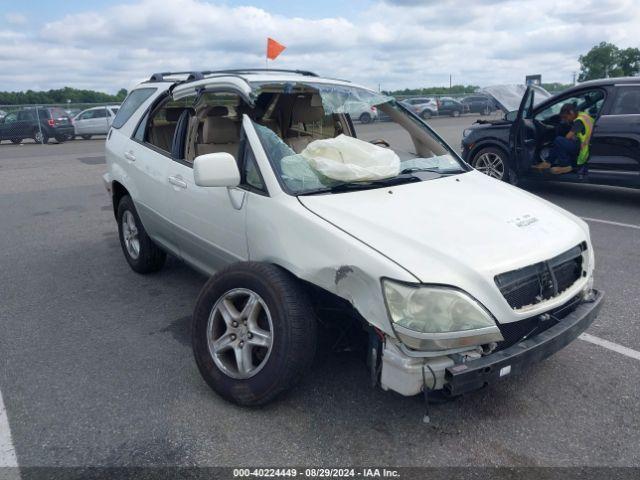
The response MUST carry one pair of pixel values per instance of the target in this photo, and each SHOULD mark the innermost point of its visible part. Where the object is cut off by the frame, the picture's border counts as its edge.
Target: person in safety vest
(572, 149)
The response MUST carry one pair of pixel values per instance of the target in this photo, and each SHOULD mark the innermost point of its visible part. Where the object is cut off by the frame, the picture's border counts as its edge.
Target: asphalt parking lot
(97, 369)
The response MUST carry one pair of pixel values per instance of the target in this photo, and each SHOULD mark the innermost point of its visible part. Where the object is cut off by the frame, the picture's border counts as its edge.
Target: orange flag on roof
(274, 48)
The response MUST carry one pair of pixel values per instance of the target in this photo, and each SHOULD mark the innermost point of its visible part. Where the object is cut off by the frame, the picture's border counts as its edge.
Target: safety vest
(585, 137)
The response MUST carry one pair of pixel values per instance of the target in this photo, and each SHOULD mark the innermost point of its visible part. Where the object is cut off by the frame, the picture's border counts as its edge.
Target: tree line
(60, 95)
(607, 60)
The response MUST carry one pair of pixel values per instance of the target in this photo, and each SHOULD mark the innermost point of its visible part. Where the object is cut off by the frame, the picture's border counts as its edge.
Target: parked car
(94, 121)
(2, 114)
(361, 111)
(450, 106)
(218, 169)
(49, 122)
(507, 148)
(423, 107)
(482, 104)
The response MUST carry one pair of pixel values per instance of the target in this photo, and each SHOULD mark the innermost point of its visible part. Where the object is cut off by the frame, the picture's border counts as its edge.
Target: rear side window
(163, 122)
(627, 101)
(130, 105)
(28, 114)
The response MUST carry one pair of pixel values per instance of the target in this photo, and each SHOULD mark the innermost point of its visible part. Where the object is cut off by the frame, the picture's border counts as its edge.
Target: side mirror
(216, 170)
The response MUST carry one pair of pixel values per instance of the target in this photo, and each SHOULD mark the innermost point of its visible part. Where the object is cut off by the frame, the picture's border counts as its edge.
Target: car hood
(456, 230)
(509, 97)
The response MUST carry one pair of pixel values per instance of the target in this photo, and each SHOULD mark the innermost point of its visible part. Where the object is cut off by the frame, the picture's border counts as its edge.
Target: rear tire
(61, 138)
(40, 137)
(455, 113)
(425, 115)
(365, 118)
(16, 141)
(142, 255)
(86, 137)
(258, 375)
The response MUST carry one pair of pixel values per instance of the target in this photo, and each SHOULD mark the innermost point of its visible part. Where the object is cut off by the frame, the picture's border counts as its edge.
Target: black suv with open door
(506, 148)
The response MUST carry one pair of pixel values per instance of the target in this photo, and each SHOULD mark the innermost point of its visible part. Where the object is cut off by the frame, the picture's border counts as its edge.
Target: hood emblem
(523, 221)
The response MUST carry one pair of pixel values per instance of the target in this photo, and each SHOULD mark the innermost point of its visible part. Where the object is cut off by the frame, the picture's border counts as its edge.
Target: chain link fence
(58, 122)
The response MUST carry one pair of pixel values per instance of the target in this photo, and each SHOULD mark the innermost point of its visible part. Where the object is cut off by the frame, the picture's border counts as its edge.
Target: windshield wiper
(366, 185)
(418, 169)
(431, 170)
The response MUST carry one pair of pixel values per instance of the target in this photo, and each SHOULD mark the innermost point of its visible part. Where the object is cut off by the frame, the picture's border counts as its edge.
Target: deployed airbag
(348, 159)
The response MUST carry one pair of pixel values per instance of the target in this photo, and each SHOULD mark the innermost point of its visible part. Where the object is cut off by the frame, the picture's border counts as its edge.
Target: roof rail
(197, 75)
(192, 75)
(236, 71)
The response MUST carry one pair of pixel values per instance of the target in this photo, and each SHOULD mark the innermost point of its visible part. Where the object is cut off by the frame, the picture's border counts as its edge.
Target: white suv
(94, 121)
(256, 178)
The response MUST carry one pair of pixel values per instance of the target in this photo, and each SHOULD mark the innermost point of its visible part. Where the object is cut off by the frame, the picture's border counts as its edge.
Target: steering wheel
(380, 142)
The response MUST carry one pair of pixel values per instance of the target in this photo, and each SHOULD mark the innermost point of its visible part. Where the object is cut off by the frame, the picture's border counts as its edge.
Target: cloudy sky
(391, 43)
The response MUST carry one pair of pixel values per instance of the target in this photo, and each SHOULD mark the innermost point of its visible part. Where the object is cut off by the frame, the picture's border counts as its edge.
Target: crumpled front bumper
(476, 374)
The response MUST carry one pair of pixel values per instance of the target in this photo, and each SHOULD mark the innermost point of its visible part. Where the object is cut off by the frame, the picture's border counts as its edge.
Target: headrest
(220, 130)
(307, 109)
(218, 111)
(172, 114)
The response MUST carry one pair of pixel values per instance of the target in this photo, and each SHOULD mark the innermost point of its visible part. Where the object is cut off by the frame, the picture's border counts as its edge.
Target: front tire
(425, 115)
(495, 163)
(254, 332)
(455, 113)
(16, 141)
(142, 255)
(365, 118)
(86, 137)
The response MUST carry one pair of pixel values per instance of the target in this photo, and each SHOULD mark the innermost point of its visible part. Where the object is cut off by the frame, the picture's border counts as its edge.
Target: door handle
(130, 156)
(177, 182)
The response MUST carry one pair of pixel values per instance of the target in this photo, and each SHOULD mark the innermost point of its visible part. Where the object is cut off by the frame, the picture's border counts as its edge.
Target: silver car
(94, 121)
(425, 108)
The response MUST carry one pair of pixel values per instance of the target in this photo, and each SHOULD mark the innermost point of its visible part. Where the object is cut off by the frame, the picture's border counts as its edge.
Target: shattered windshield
(509, 97)
(334, 137)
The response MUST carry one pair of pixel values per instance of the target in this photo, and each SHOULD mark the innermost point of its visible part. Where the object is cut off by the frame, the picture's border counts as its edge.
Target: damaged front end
(489, 356)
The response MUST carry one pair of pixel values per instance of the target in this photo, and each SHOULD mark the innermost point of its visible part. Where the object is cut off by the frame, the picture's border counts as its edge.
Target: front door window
(590, 101)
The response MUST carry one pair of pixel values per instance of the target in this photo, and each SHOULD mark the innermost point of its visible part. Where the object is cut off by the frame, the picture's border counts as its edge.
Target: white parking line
(7, 452)
(610, 345)
(610, 222)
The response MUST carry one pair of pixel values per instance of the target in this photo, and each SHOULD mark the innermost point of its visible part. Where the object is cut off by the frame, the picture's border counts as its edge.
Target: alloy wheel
(491, 164)
(130, 235)
(240, 333)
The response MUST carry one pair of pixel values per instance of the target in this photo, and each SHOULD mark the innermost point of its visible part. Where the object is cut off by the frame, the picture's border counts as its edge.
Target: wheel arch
(324, 299)
(117, 192)
(489, 143)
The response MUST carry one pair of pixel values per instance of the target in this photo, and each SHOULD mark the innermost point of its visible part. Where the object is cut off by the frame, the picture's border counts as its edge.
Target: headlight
(437, 317)
(466, 132)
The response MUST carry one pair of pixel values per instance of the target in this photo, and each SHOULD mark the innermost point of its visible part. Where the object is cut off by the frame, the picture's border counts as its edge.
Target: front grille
(515, 332)
(535, 283)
